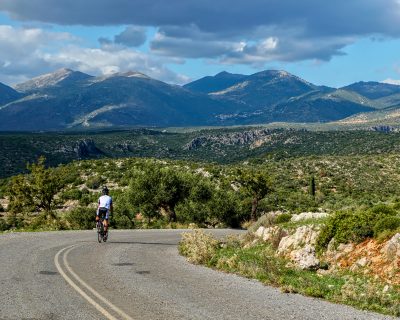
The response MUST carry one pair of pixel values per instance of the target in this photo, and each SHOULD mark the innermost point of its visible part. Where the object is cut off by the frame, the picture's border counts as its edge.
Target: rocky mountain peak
(127, 74)
(133, 74)
(51, 79)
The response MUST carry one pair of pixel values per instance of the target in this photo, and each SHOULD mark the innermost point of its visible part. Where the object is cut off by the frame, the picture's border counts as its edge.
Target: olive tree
(35, 192)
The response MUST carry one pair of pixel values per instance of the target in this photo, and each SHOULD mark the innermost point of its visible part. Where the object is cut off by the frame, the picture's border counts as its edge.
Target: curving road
(136, 275)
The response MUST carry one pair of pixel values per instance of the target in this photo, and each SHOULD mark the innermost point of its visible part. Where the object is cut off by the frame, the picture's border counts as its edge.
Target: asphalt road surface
(137, 274)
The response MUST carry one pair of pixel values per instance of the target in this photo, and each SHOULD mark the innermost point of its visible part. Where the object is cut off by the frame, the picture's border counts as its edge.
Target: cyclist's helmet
(104, 191)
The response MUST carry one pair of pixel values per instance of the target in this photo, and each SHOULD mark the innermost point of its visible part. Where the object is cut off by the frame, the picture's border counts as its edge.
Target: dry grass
(199, 247)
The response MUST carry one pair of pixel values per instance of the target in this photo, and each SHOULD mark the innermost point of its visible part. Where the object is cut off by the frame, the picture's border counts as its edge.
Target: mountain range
(67, 99)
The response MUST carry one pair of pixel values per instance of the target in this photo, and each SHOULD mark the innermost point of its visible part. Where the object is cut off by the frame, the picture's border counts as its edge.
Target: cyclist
(104, 209)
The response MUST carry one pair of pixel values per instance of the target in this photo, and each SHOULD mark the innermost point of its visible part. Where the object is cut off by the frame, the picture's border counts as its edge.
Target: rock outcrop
(271, 234)
(87, 149)
(391, 250)
(236, 138)
(300, 247)
(305, 258)
(308, 216)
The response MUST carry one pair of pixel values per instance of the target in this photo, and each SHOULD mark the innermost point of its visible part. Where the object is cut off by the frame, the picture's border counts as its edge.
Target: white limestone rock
(305, 258)
(304, 235)
(308, 216)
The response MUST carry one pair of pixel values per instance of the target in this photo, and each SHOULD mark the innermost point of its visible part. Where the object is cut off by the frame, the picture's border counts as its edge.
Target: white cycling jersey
(105, 201)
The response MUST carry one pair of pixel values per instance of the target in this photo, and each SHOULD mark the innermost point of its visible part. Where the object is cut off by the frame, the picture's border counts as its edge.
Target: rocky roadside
(370, 257)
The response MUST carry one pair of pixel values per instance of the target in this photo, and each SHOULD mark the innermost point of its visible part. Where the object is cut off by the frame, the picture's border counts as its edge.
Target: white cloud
(269, 44)
(321, 28)
(29, 52)
(391, 81)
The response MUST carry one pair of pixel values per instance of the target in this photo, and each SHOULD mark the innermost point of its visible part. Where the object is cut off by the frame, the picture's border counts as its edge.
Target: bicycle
(101, 236)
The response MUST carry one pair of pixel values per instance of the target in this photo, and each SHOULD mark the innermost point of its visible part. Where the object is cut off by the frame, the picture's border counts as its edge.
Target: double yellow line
(78, 284)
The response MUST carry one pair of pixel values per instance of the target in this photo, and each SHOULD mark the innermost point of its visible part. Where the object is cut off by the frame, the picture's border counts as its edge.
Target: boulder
(360, 263)
(391, 250)
(305, 258)
(260, 232)
(272, 233)
(308, 215)
(300, 247)
(304, 235)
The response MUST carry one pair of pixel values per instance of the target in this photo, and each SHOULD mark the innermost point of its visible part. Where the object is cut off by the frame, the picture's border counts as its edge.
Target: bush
(352, 226)
(198, 246)
(73, 194)
(81, 218)
(266, 220)
(46, 221)
(282, 218)
(1, 208)
(386, 224)
(87, 199)
(94, 182)
(190, 211)
(122, 222)
(3, 225)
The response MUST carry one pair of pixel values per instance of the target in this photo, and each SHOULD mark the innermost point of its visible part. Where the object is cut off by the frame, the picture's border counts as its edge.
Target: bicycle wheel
(100, 231)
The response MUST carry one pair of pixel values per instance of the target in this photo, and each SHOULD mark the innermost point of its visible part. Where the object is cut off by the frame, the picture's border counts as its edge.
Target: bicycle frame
(100, 230)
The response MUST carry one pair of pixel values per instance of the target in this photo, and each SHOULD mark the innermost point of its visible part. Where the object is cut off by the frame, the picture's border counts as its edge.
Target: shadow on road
(145, 243)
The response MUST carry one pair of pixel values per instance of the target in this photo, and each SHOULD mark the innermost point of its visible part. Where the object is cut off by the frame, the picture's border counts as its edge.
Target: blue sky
(176, 41)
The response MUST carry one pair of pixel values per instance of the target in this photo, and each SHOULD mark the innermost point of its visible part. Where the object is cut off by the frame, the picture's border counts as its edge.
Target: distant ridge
(8, 94)
(374, 90)
(215, 83)
(60, 77)
(68, 99)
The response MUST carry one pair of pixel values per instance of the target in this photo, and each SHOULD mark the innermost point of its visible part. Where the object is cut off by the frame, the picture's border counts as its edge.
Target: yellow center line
(84, 284)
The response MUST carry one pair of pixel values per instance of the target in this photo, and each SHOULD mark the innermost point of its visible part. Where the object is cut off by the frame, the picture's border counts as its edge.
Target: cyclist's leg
(105, 222)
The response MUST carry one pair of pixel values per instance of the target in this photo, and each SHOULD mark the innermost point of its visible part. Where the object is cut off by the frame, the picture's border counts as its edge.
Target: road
(138, 274)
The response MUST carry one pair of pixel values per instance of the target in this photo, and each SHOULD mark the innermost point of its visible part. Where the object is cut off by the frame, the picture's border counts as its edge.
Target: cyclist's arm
(98, 206)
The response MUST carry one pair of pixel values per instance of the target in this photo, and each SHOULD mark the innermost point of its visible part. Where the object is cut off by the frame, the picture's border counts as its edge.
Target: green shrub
(87, 199)
(73, 194)
(81, 218)
(352, 226)
(46, 221)
(282, 218)
(95, 182)
(3, 225)
(122, 222)
(386, 224)
(266, 220)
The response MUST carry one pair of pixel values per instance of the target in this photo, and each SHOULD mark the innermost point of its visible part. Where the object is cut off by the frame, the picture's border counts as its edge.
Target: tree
(257, 185)
(154, 189)
(35, 191)
(312, 186)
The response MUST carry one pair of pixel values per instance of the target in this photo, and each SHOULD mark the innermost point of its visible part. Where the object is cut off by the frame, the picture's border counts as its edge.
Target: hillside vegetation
(224, 146)
(210, 194)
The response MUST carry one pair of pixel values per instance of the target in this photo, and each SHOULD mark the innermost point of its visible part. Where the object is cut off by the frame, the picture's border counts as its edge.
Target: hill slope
(221, 81)
(70, 99)
(8, 94)
(128, 99)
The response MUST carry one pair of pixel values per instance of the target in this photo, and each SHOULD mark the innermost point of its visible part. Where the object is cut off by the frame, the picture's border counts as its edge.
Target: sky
(333, 43)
